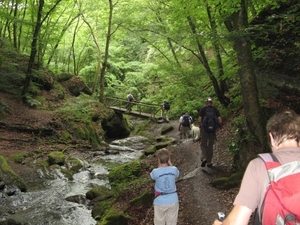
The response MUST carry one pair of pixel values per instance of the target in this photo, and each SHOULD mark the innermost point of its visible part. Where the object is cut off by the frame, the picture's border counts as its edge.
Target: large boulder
(56, 157)
(76, 85)
(9, 177)
(116, 126)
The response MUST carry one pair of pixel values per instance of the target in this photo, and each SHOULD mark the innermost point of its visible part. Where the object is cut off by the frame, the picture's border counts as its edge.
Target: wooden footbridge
(135, 108)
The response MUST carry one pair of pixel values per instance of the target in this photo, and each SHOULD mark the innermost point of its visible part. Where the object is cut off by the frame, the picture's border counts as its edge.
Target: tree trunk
(36, 33)
(108, 36)
(15, 26)
(33, 47)
(254, 115)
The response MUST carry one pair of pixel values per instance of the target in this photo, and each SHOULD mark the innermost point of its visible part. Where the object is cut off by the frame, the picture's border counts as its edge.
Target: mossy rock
(226, 183)
(164, 144)
(9, 176)
(150, 151)
(125, 173)
(145, 198)
(10, 222)
(42, 163)
(99, 192)
(101, 208)
(161, 138)
(114, 218)
(74, 164)
(166, 129)
(68, 173)
(56, 157)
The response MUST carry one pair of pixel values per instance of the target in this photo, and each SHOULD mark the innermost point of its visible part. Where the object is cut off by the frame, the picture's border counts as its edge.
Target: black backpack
(210, 121)
(166, 105)
(186, 120)
(130, 97)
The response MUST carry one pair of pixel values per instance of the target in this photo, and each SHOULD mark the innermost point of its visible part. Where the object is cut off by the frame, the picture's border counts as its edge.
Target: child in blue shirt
(166, 203)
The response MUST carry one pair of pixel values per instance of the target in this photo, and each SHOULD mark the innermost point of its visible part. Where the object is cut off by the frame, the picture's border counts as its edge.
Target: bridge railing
(154, 110)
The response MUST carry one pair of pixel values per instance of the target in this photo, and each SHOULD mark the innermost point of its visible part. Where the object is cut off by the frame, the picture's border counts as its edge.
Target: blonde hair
(284, 126)
(163, 155)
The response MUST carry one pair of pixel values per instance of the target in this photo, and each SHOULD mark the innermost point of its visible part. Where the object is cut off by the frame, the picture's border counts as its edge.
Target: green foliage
(3, 110)
(81, 118)
(19, 158)
(240, 144)
(39, 151)
(241, 134)
(31, 101)
(12, 77)
(65, 135)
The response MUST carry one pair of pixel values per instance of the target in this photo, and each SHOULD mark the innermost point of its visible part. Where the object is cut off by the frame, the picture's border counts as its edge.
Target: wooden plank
(148, 115)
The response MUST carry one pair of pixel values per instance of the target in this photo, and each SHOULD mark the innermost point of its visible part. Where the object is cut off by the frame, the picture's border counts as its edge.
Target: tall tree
(106, 52)
(254, 115)
(34, 42)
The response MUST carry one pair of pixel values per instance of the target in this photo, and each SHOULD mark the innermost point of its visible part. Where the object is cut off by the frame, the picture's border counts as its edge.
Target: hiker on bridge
(130, 99)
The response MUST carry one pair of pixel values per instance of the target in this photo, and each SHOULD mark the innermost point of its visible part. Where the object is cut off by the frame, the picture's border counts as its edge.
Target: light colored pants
(166, 214)
(164, 114)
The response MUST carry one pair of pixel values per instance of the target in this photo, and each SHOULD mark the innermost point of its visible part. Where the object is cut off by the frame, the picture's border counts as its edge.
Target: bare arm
(239, 215)
(199, 120)
(220, 120)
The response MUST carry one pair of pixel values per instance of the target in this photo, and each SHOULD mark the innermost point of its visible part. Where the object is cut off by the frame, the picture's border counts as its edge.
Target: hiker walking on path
(166, 202)
(165, 110)
(260, 177)
(184, 126)
(130, 99)
(209, 119)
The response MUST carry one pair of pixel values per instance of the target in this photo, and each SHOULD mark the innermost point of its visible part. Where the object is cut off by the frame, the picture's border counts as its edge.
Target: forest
(243, 54)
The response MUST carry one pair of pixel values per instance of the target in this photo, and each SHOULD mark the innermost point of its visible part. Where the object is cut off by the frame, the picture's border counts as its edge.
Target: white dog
(195, 132)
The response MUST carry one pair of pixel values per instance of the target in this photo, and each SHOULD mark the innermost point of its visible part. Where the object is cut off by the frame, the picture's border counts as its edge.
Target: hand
(217, 222)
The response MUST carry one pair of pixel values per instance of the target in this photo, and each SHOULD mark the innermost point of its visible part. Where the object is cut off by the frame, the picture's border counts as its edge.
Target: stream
(60, 201)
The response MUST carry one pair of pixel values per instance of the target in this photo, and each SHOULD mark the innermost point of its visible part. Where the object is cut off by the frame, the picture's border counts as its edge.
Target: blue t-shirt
(165, 178)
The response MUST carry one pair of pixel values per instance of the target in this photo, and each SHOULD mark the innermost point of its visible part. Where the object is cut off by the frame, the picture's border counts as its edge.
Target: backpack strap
(270, 160)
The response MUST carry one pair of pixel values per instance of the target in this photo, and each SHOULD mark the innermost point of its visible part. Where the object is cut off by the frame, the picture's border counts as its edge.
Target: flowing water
(60, 201)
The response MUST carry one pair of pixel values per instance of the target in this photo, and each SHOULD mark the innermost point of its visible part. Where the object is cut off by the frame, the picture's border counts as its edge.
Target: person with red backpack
(271, 183)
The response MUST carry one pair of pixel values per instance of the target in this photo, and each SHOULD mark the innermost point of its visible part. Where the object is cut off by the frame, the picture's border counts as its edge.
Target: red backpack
(281, 203)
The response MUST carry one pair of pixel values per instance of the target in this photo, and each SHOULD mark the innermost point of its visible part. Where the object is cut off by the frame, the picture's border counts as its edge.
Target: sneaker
(203, 163)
